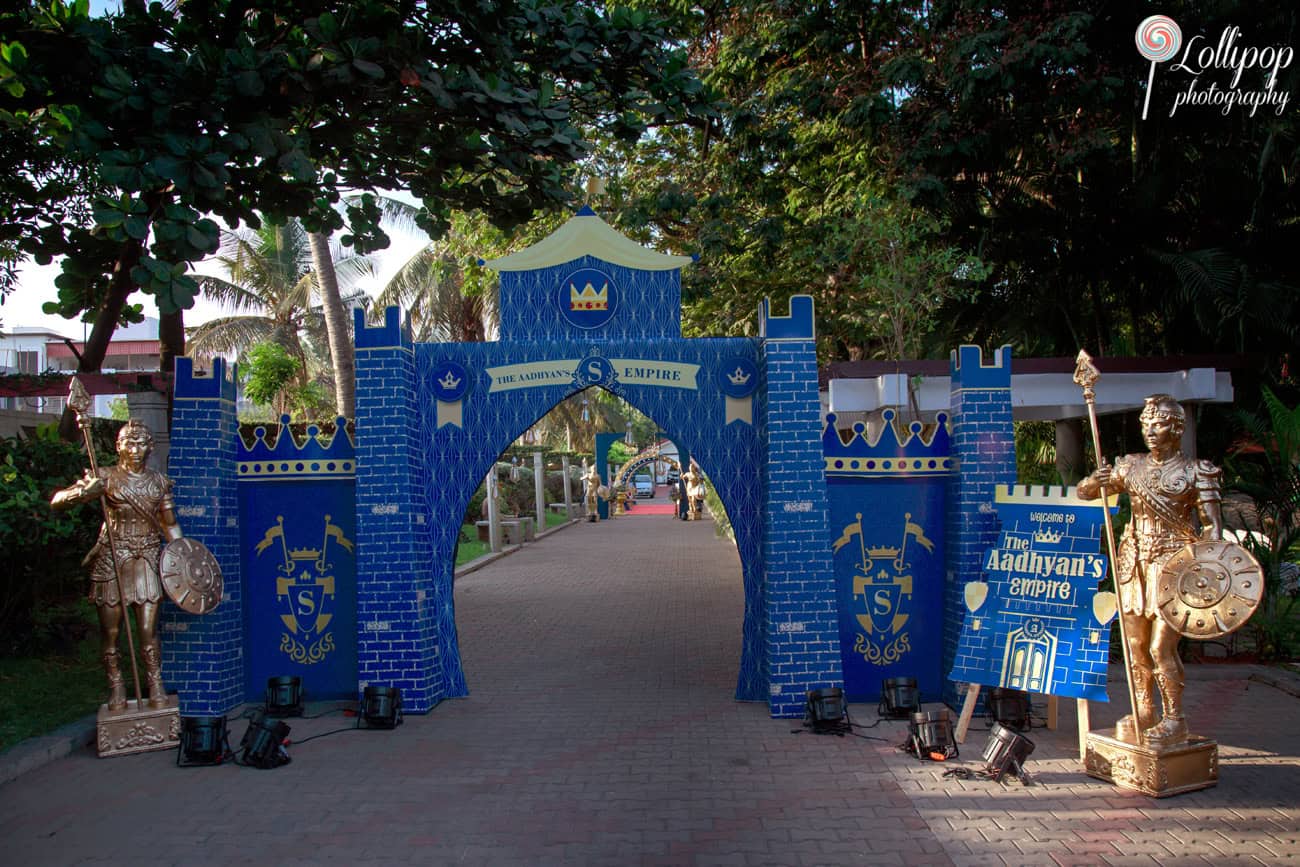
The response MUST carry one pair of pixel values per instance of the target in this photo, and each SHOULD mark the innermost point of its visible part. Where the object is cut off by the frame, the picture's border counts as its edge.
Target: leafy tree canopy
(229, 109)
(1017, 126)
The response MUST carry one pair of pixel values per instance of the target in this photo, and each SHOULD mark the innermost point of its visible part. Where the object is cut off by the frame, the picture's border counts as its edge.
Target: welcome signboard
(1037, 622)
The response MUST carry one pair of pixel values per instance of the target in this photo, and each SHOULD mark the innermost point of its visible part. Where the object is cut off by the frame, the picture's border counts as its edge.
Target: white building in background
(33, 351)
(25, 349)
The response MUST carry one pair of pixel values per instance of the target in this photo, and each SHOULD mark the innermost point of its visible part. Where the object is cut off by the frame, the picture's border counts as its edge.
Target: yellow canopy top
(587, 235)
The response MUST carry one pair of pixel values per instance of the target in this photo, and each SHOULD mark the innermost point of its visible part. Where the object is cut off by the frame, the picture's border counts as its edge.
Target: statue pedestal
(1156, 771)
(138, 730)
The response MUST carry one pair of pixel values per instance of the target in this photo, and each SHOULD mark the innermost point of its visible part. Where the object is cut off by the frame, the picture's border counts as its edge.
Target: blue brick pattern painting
(203, 655)
(497, 410)
(405, 625)
(1036, 621)
(798, 601)
(983, 446)
(887, 504)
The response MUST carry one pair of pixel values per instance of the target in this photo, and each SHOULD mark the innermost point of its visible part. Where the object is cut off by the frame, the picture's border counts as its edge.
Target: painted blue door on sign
(298, 519)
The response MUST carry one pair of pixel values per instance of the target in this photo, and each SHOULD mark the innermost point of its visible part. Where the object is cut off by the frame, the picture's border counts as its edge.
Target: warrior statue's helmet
(1163, 407)
(135, 430)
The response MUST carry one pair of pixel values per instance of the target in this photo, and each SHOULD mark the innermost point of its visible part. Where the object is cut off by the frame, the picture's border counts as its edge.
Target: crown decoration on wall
(739, 376)
(914, 454)
(449, 380)
(589, 298)
(316, 455)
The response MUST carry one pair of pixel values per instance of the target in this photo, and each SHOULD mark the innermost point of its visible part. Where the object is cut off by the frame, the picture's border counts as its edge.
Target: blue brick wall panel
(983, 443)
(801, 614)
(397, 602)
(203, 654)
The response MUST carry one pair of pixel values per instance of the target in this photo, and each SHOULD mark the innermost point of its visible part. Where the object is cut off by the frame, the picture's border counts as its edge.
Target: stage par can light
(1005, 752)
(899, 697)
(930, 735)
(826, 711)
(263, 744)
(204, 741)
(381, 707)
(284, 696)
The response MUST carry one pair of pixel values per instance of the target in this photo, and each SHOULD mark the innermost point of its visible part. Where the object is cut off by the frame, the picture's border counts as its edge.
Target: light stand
(899, 698)
(825, 711)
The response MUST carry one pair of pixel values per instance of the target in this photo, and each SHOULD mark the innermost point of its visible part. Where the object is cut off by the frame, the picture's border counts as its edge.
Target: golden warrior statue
(1167, 491)
(138, 515)
(592, 493)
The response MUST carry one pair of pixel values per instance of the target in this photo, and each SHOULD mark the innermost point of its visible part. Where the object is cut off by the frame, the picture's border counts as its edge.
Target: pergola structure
(1042, 389)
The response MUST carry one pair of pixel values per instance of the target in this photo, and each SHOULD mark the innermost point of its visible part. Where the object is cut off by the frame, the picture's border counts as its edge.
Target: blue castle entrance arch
(589, 308)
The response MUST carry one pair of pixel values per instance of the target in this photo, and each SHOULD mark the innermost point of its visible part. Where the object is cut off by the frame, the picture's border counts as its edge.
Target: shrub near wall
(44, 580)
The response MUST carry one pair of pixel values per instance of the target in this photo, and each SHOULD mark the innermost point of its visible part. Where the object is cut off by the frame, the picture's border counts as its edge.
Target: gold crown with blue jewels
(589, 298)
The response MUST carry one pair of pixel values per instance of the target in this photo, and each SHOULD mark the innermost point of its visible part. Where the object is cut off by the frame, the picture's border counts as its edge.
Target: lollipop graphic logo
(1158, 39)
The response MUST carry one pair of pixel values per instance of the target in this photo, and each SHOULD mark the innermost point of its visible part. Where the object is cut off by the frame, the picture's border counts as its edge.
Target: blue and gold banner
(298, 531)
(887, 502)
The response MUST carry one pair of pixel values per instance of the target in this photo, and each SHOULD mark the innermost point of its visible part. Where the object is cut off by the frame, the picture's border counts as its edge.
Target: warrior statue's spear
(1086, 375)
(79, 402)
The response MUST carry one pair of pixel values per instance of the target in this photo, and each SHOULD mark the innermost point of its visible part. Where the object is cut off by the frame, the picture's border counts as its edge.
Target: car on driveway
(644, 487)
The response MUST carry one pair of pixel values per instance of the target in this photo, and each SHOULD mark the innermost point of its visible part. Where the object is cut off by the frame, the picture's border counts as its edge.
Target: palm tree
(336, 324)
(270, 285)
(433, 287)
(430, 287)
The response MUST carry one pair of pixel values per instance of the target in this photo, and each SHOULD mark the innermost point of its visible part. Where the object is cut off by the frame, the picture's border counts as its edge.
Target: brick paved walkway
(601, 729)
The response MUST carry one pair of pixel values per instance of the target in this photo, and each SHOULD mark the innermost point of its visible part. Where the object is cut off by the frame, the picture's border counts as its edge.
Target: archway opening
(642, 597)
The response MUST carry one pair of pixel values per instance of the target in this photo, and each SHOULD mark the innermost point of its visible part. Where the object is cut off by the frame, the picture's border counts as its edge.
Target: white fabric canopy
(587, 235)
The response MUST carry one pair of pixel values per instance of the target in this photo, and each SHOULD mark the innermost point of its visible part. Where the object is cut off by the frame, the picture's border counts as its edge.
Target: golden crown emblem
(1048, 536)
(589, 298)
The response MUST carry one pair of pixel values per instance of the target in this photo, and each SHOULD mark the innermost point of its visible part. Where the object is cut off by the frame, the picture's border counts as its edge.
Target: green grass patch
(38, 694)
(471, 550)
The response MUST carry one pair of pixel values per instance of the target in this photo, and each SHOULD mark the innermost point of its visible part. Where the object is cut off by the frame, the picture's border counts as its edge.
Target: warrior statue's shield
(1209, 589)
(190, 575)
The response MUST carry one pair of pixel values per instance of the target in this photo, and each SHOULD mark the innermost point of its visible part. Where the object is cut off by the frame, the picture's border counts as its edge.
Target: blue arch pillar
(405, 620)
(803, 643)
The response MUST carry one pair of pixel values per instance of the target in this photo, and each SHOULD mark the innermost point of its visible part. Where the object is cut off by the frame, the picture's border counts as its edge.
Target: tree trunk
(171, 339)
(341, 356)
(95, 349)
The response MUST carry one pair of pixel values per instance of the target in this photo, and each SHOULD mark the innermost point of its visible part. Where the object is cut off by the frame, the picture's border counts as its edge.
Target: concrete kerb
(38, 751)
(63, 741)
